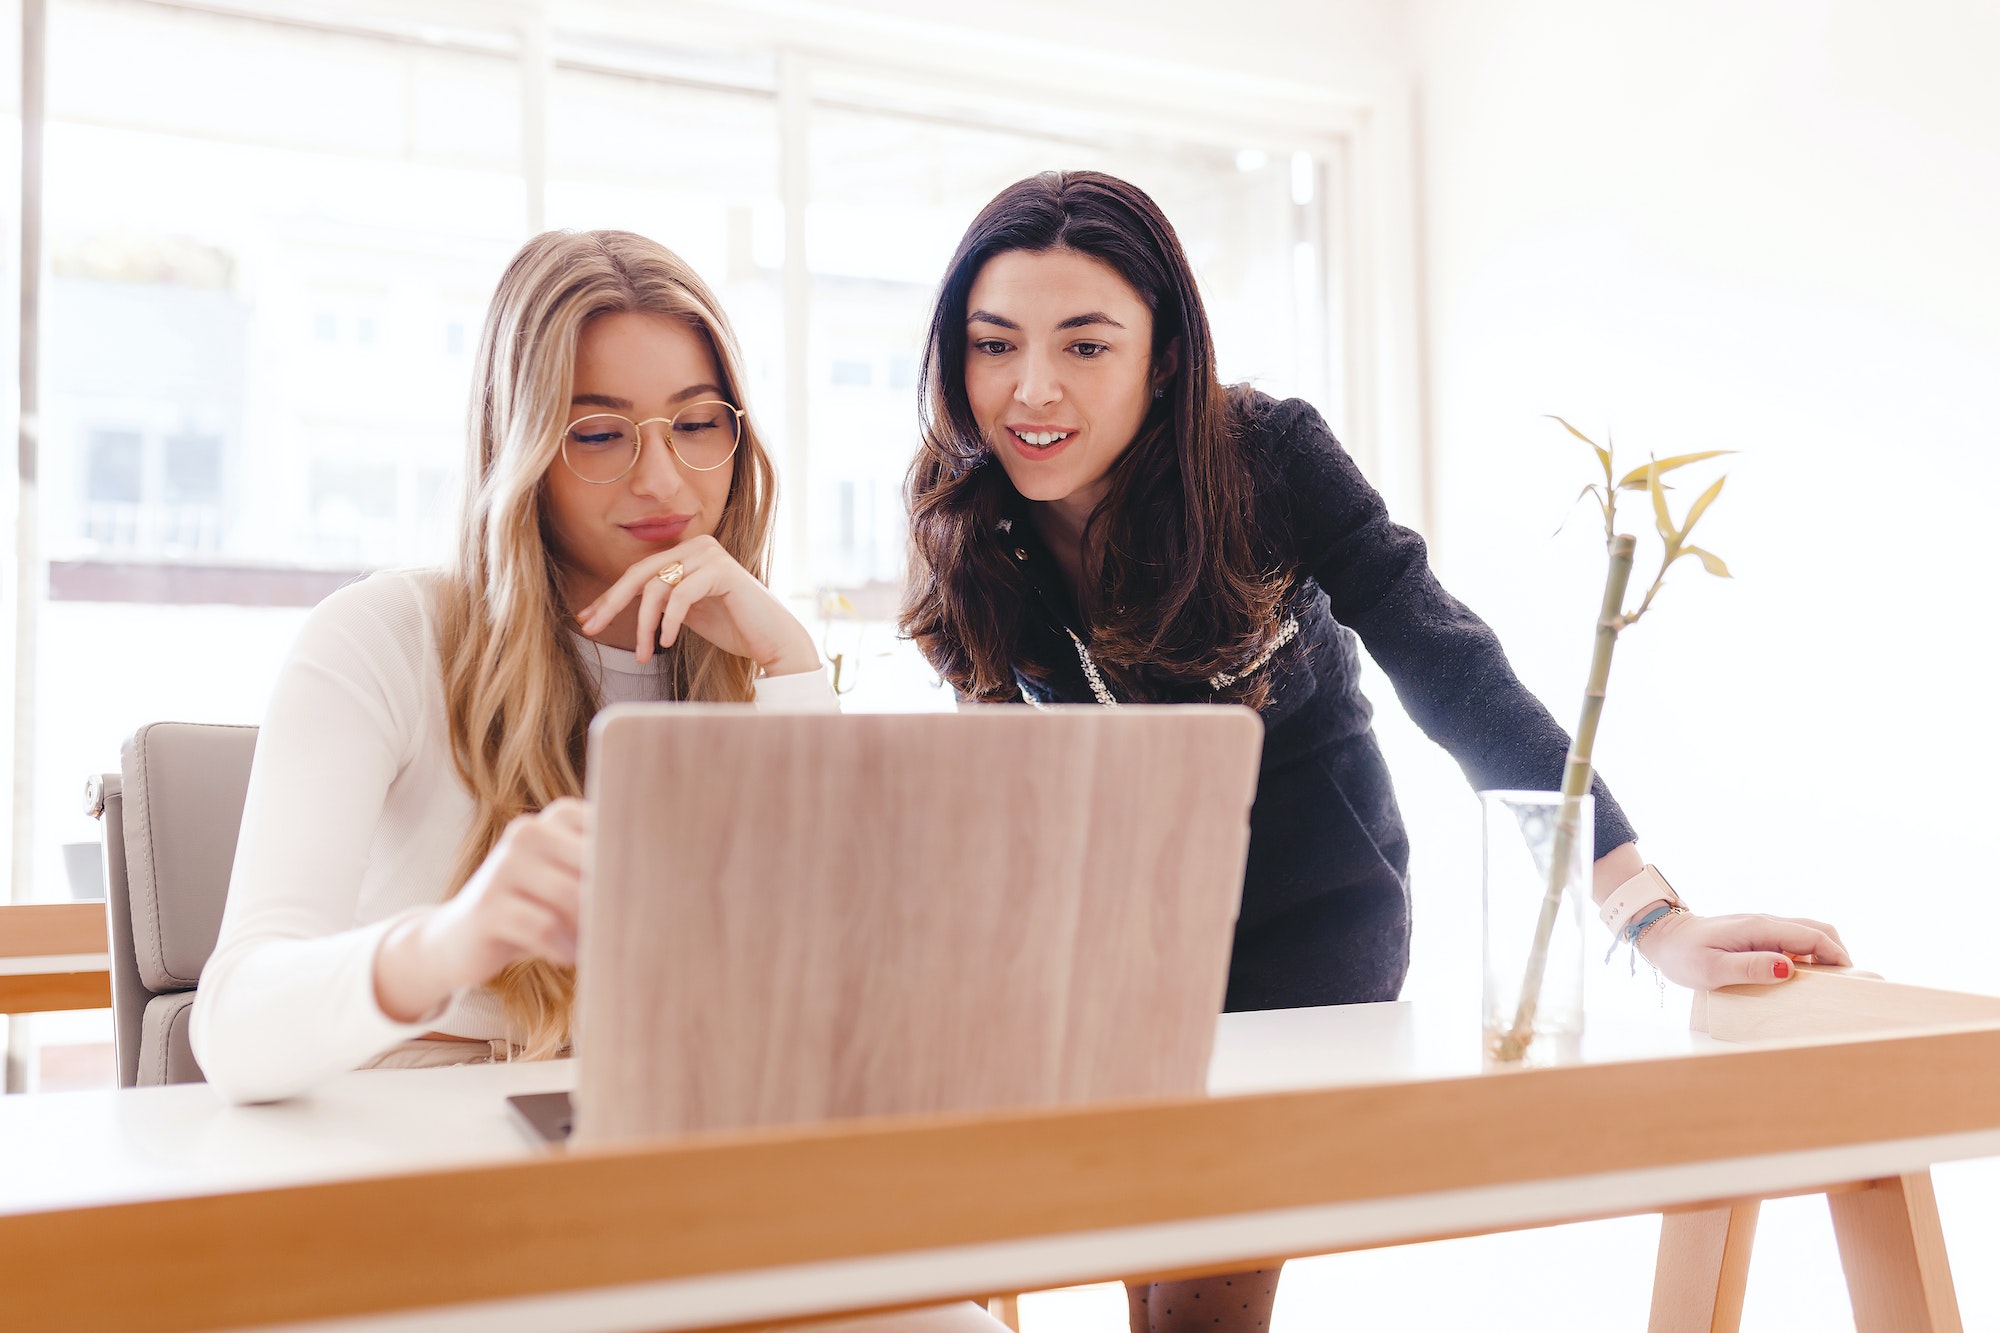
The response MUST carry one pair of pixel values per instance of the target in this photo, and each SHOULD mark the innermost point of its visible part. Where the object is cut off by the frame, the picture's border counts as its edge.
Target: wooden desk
(407, 1201)
(53, 956)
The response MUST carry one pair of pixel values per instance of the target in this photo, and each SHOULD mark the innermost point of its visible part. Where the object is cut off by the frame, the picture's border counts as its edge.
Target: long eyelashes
(1085, 351)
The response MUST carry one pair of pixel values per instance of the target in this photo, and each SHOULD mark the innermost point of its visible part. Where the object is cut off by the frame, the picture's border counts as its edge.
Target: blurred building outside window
(270, 245)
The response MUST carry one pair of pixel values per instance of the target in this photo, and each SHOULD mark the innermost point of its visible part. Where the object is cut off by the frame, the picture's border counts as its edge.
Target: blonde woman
(405, 885)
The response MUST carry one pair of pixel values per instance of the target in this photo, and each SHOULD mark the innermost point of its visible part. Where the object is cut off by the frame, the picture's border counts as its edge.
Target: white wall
(1771, 227)
(1774, 228)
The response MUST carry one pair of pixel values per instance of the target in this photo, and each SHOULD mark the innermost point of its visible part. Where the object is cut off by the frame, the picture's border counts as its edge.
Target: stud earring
(1159, 393)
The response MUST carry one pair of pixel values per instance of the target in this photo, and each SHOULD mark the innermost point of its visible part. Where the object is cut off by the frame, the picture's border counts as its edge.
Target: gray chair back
(170, 821)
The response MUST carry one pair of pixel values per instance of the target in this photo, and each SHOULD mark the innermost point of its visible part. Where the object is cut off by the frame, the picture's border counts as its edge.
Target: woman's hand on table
(1704, 952)
(716, 598)
(521, 903)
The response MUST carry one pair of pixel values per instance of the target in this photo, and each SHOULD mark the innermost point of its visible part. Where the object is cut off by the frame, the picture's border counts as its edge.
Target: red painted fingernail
(1782, 969)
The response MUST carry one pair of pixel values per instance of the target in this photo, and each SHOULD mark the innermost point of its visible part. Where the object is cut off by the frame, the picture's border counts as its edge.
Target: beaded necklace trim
(1097, 686)
(1222, 680)
(1100, 691)
(1288, 631)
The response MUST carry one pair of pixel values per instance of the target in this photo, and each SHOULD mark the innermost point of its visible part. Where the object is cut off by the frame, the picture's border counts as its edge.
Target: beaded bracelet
(1654, 919)
(1638, 926)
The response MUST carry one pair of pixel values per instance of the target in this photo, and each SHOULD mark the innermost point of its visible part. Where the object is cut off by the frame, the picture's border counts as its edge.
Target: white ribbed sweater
(354, 816)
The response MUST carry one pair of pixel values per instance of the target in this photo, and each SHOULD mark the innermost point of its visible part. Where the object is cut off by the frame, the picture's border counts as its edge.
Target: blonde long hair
(518, 696)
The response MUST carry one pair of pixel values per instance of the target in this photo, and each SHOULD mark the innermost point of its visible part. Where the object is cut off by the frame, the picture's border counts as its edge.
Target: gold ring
(672, 574)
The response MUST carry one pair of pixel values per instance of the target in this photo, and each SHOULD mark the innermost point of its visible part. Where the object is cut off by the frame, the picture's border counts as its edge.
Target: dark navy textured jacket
(1325, 916)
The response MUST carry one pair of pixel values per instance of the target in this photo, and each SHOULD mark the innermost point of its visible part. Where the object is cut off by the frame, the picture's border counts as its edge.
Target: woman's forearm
(1614, 868)
(408, 986)
(277, 1015)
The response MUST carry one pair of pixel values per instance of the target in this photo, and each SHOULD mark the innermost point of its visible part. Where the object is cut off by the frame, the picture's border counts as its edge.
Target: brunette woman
(1095, 517)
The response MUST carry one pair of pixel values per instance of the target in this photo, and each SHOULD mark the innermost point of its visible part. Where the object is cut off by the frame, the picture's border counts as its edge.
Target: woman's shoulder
(392, 601)
(1301, 468)
(381, 625)
(1279, 426)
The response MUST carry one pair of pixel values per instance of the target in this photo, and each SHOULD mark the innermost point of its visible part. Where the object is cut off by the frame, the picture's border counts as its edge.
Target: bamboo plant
(1612, 620)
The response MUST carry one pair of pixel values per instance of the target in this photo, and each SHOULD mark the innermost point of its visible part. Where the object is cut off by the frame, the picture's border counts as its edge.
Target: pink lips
(1039, 452)
(661, 531)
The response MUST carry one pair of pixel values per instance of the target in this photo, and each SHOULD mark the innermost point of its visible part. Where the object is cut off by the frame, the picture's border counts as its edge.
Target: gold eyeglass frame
(639, 441)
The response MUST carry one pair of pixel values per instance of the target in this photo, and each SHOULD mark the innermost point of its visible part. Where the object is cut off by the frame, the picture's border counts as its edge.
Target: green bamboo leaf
(1701, 504)
(1667, 465)
(1661, 517)
(1603, 454)
(1710, 561)
(1588, 490)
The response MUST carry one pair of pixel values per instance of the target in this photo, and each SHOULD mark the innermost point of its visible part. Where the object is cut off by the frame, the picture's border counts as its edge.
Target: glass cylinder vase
(1536, 880)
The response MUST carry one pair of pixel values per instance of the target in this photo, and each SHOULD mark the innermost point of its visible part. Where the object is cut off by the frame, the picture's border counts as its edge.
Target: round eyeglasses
(601, 449)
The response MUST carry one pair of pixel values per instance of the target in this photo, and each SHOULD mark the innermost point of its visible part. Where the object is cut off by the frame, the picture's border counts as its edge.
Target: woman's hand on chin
(716, 598)
(521, 903)
(1704, 952)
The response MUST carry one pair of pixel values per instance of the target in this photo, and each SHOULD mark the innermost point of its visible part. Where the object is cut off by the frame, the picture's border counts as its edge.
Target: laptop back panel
(794, 918)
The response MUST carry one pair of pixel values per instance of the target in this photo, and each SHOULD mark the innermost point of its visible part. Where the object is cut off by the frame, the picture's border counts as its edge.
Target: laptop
(803, 917)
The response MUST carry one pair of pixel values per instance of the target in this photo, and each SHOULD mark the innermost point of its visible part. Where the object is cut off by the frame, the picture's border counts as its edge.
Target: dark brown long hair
(1184, 590)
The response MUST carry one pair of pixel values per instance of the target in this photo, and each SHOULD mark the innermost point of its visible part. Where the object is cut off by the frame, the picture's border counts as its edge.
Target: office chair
(170, 819)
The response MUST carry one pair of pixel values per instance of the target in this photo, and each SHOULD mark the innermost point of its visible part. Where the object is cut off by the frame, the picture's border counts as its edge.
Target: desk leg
(1703, 1267)
(1892, 1246)
(1007, 1309)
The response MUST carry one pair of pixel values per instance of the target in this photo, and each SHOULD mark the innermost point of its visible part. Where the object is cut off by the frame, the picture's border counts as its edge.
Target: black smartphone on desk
(546, 1116)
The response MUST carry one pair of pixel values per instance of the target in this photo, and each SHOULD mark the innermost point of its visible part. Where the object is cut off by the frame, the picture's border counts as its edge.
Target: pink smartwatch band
(1647, 887)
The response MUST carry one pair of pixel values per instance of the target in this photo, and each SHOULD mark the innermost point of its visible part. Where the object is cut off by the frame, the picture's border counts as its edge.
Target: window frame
(853, 60)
